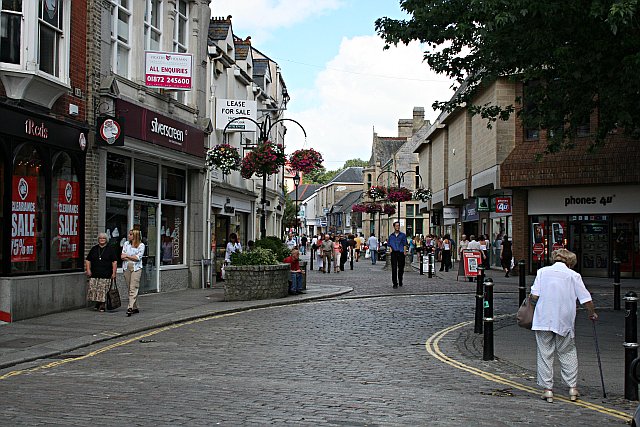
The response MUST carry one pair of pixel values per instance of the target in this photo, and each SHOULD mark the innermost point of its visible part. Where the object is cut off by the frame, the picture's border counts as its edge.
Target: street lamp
(264, 128)
(400, 179)
(296, 182)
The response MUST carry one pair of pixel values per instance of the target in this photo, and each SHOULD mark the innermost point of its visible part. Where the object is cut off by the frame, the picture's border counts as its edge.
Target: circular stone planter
(252, 282)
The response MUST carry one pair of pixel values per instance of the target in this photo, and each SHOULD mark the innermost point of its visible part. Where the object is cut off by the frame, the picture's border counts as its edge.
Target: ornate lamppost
(296, 183)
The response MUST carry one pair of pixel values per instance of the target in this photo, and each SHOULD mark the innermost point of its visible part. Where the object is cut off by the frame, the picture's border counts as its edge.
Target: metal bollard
(477, 328)
(616, 284)
(351, 262)
(432, 263)
(487, 351)
(420, 254)
(522, 286)
(313, 255)
(630, 343)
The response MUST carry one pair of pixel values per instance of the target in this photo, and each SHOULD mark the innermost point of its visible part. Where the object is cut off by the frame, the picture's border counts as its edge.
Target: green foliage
(322, 176)
(257, 256)
(289, 214)
(275, 245)
(574, 57)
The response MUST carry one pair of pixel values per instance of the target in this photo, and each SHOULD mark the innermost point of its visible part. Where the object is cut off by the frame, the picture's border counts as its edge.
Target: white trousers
(550, 344)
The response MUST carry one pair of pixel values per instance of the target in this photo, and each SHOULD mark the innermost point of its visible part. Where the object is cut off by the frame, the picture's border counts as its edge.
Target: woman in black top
(506, 253)
(100, 268)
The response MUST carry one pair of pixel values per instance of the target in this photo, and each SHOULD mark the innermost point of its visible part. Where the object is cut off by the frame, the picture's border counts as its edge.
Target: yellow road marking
(433, 348)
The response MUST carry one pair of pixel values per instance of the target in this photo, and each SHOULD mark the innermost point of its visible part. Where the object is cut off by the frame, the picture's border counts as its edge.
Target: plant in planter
(265, 159)
(377, 192)
(257, 256)
(398, 194)
(305, 160)
(224, 157)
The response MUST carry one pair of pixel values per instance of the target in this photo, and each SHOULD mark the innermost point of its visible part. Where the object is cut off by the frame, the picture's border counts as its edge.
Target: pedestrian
(318, 251)
(398, 243)
(303, 245)
(132, 254)
(373, 247)
(506, 254)
(484, 247)
(446, 253)
(553, 294)
(233, 246)
(496, 250)
(344, 250)
(337, 252)
(291, 242)
(100, 267)
(412, 248)
(327, 253)
(296, 273)
(359, 243)
(475, 245)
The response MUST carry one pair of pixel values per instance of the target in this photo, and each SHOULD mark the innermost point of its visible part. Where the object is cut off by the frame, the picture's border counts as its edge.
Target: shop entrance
(590, 241)
(145, 218)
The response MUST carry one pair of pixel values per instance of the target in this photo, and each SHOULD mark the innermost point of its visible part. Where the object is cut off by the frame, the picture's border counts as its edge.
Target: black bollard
(313, 255)
(431, 263)
(351, 262)
(630, 343)
(421, 255)
(616, 284)
(487, 351)
(522, 286)
(477, 328)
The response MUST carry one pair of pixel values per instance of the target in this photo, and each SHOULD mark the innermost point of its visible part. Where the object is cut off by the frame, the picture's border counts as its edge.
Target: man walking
(398, 244)
(327, 254)
(373, 248)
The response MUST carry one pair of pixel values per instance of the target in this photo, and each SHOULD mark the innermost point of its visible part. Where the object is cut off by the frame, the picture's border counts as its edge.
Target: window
(152, 25)
(410, 210)
(180, 37)
(172, 235)
(417, 183)
(173, 181)
(10, 30)
(145, 179)
(117, 218)
(118, 174)
(65, 215)
(1, 205)
(368, 181)
(120, 34)
(50, 34)
(28, 244)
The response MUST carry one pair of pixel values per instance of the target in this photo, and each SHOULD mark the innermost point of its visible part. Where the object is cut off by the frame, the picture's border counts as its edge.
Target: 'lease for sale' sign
(68, 217)
(23, 218)
(168, 70)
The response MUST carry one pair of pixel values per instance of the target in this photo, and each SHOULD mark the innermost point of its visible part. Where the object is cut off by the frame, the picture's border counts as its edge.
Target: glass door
(145, 218)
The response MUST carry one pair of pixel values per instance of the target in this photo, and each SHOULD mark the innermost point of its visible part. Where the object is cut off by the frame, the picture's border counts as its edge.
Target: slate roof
(304, 191)
(384, 150)
(242, 48)
(352, 174)
(260, 69)
(218, 29)
(344, 205)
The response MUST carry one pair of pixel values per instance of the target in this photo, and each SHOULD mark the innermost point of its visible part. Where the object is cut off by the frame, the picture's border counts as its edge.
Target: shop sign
(472, 260)
(109, 132)
(230, 109)
(501, 204)
(449, 213)
(149, 126)
(23, 218)
(482, 204)
(469, 211)
(167, 70)
(68, 219)
(593, 200)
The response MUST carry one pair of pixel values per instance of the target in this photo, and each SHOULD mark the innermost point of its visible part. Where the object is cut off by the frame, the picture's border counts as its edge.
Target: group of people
(505, 250)
(101, 265)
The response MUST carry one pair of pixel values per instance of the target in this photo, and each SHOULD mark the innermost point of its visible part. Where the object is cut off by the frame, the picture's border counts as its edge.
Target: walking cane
(595, 337)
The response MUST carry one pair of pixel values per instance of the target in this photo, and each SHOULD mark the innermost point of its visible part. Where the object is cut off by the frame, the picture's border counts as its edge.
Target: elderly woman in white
(554, 294)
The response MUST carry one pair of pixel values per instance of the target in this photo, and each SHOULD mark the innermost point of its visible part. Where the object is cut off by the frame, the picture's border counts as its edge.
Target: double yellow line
(433, 348)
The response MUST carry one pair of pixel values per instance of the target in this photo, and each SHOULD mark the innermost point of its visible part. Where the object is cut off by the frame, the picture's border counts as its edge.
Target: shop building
(43, 143)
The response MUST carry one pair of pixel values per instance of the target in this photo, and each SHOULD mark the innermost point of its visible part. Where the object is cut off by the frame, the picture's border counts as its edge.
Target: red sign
(503, 204)
(538, 249)
(23, 218)
(557, 246)
(68, 219)
(472, 259)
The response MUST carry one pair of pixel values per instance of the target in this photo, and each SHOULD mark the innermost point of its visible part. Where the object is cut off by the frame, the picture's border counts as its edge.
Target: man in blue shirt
(398, 245)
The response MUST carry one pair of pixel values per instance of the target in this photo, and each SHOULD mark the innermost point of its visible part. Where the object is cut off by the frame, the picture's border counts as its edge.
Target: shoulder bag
(113, 296)
(524, 317)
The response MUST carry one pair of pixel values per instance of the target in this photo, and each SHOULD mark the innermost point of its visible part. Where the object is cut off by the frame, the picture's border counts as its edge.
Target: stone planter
(253, 282)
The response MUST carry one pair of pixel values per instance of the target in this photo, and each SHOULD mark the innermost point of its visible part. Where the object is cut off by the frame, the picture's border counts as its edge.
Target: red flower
(305, 160)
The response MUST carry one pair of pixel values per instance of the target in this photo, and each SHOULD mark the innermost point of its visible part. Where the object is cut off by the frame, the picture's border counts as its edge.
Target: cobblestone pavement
(357, 360)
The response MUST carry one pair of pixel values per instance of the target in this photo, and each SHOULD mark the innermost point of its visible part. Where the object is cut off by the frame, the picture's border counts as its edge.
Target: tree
(322, 176)
(573, 57)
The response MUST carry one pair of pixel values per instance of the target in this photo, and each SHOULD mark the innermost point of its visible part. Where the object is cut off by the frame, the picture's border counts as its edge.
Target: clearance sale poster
(23, 218)
(68, 218)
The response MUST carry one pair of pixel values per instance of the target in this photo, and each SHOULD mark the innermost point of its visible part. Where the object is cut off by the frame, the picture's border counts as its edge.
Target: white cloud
(364, 87)
(264, 16)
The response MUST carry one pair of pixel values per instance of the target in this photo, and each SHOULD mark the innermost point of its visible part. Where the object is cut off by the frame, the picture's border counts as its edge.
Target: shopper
(398, 243)
(100, 267)
(132, 254)
(327, 253)
(506, 254)
(373, 247)
(296, 273)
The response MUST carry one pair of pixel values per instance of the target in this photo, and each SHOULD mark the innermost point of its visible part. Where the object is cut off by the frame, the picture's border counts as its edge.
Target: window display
(65, 215)
(172, 235)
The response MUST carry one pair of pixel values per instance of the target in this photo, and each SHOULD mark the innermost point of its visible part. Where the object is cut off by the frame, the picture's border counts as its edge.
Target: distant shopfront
(598, 223)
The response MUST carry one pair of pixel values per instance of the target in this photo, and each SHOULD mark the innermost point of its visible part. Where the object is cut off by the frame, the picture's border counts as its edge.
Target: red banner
(68, 219)
(23, 218)
(472, 259)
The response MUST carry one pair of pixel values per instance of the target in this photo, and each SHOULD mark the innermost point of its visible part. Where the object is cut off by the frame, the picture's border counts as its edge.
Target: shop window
(409, 210)
(409, 231)
(172, 235)
(10, 31)
(419, 227)
(118, 174)
(116, 221)
(65, 215)
(1, 208)
(173, 184)
(28, 211)
(145, 179)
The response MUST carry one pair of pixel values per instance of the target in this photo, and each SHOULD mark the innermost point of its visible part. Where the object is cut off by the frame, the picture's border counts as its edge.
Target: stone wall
(255, 282)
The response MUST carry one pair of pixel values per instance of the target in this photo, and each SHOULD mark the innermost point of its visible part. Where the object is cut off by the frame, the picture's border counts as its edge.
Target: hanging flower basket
(373, 207)
(422, 194)
(305, 160)
(389, 209)
(223, 157)
(359, 207)
(265, 159)
(377, 192)
(398, 194)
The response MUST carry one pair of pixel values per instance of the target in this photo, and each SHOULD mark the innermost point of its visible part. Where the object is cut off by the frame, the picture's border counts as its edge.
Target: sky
(343, 85)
